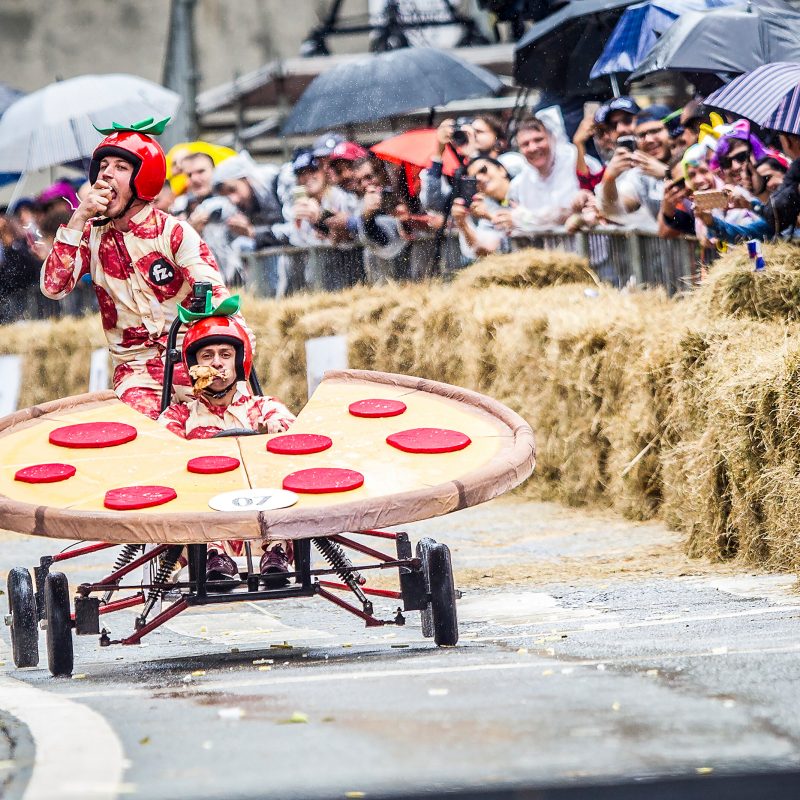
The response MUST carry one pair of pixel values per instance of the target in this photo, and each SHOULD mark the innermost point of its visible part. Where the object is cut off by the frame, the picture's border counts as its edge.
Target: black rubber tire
(443, 596)
(24, 619)
(60, 657)
(425, 614)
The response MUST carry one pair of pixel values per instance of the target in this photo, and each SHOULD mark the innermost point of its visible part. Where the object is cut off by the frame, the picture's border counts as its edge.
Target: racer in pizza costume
(223, 345)
(142, 262)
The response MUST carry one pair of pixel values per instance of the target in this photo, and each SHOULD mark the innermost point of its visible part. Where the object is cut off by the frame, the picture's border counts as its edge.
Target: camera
(388, 201)
(465, 188)
(628, 142)
(460, 135)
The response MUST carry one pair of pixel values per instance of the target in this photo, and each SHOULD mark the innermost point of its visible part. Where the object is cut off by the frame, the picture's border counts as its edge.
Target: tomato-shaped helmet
(219, 330)
(143, 153)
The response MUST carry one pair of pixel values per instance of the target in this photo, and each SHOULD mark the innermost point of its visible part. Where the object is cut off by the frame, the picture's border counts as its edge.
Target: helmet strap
(222, 392)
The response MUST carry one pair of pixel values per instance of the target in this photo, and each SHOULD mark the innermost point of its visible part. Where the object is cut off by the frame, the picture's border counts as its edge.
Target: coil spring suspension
(166, 564)
(338, 559)
(126, 555)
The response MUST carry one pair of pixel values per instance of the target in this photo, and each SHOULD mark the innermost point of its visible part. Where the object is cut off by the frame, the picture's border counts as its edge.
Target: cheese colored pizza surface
(77, 506)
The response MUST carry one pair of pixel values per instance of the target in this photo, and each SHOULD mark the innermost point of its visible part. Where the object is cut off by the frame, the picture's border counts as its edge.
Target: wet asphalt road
(567, 671)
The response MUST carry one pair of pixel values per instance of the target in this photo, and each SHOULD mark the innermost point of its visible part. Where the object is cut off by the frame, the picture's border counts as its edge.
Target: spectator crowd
(671, 173)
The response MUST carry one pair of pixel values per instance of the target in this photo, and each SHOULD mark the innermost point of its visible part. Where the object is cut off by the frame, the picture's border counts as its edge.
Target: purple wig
(740, 132)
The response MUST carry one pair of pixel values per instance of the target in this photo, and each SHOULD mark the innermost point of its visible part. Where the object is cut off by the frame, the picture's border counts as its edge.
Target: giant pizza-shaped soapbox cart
(369, 450)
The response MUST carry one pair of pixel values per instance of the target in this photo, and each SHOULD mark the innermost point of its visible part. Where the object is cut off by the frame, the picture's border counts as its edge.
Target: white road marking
(77, 754)
(533, 661)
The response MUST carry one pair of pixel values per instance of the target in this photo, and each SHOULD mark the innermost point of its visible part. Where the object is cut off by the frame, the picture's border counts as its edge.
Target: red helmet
(143, 153)
(219, 330)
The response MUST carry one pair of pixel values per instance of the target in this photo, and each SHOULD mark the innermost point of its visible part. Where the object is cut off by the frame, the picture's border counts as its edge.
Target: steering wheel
(235, 432)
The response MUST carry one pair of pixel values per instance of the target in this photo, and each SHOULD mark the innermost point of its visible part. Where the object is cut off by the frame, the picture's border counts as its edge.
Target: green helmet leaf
(226, 308)
(148, 126)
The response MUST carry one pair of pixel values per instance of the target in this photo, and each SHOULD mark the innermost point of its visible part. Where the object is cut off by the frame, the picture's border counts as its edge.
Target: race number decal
(161, 272)
(253, 500)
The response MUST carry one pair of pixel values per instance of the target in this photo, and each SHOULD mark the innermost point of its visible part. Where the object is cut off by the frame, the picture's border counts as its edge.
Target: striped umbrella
(768, 96)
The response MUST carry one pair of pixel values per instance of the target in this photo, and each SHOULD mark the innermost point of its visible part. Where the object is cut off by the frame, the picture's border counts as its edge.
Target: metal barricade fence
(619, 256)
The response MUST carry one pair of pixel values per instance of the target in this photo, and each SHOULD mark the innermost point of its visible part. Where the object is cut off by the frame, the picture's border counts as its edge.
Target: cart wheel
(59, 625)
(425, 614)
(24, 620)
(443, 596)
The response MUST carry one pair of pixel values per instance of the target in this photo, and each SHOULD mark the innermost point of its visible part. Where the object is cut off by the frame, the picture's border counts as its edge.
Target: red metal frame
(362, 548)
(79, 551)
(156, 622)
(377, 592)
(378, 534)
(117, 575)
(117, 605)
(368, 618)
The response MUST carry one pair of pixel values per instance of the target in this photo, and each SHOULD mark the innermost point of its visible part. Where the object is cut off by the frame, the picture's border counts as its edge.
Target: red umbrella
(413, 150)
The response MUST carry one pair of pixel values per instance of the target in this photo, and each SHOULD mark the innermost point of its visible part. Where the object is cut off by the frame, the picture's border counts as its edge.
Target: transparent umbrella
(54, 125)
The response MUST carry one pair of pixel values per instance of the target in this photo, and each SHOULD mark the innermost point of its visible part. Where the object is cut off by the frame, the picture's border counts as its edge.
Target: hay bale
(530, 267)
(733, 288)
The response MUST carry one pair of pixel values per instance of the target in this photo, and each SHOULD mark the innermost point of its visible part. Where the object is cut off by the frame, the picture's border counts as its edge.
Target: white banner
(10, 382)
(99, 377)
(322, 354)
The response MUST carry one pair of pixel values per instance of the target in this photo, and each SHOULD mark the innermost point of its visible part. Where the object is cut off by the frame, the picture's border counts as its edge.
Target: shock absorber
(158, 588)
(338, 559)
(126, 555)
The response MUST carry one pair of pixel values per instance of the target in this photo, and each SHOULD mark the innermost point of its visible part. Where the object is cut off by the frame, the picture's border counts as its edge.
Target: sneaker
(222, 568)
(274, 567)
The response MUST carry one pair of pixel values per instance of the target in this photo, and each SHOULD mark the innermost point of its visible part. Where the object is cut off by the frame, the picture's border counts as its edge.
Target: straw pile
(687, 408)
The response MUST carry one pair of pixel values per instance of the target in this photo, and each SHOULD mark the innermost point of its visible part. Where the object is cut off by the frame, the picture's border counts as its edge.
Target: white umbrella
(54, 125)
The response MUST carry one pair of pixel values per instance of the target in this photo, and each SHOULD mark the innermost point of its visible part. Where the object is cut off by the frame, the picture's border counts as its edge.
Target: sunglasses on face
(737, 158)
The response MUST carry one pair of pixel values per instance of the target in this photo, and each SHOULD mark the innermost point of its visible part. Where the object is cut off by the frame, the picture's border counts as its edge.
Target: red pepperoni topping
(428, 440)
(299, 444)
(128, 498)
(322, 480)
(377, 408)
(93, 434)
(212, 465)
(44, 473)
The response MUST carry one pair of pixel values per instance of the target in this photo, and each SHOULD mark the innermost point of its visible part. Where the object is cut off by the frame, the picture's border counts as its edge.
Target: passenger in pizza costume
(218, 356)
(142, 261)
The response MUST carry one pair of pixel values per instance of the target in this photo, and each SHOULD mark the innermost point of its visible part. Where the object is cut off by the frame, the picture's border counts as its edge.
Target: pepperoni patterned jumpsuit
(140, 276)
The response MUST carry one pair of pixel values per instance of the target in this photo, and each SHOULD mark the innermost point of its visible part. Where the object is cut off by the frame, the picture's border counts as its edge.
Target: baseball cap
(347, 151)
(601, 115)
(624, 103)
(303, 159)
(323, 145)
(654, 113)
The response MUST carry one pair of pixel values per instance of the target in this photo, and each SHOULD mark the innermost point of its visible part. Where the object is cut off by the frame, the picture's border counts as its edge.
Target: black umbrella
(724, 43)
(558, 53)
(380, 86)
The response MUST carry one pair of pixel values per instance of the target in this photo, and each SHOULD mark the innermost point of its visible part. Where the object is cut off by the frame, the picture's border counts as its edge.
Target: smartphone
(466, 189)
(628, 142)
(679, 182)
(299, 193)
(388, 200)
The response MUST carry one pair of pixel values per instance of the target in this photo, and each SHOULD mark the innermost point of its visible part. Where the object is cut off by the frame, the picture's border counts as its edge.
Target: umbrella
(54, 125)
(379, 86)
(413, 150)
(557, 53)
(768, 96)
(638, 29)
(725, 41)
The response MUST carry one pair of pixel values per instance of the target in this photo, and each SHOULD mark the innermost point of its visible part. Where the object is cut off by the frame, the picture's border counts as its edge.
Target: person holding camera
(377, 221)
(633, 183)
(482, 194)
